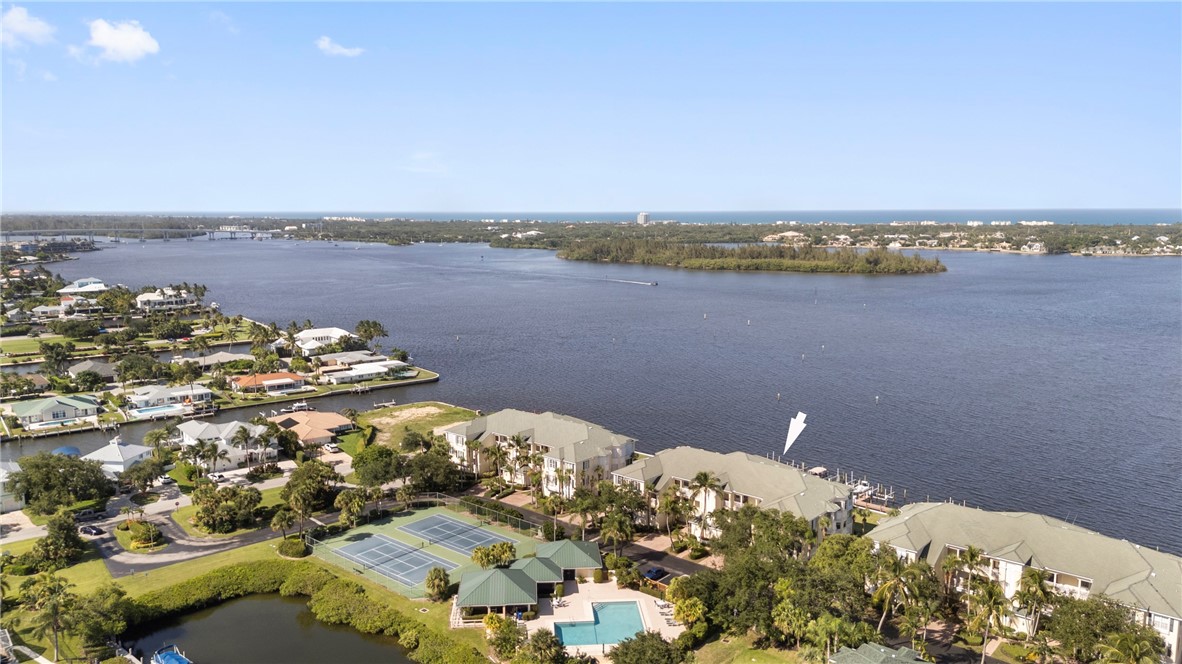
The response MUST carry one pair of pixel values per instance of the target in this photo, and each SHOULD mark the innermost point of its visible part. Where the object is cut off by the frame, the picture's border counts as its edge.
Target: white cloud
(48, 76)
(122, 41)
(224, 20)
(329, 47)
(17, 27)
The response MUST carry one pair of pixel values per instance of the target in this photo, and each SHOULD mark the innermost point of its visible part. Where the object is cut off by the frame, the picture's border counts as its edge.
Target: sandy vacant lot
(394, 421)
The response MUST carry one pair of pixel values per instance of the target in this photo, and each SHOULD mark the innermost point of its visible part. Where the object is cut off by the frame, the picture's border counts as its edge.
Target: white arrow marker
(795, 426)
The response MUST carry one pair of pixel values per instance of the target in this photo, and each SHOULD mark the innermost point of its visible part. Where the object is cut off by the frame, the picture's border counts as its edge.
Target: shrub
(305, 580)
(293, 547)
(529, 615)
(20, 569)
(599, 576)
(552, 532)
(679, 546)
(698, 553)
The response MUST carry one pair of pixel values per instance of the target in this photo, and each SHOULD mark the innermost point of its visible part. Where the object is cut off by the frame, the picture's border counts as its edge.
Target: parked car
(165, 479)
(332, 447)
(90, 530)
(89, 515)
(216, 477)
(656, 574)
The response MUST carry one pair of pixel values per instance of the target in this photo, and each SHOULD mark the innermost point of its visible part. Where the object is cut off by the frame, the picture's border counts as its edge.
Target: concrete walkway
(30, 656)
(16, 526)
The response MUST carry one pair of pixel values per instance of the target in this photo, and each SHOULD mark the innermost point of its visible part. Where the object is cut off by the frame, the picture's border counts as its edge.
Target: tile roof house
(586, 451)
(311, 341)
(163, 395)
(313, 427)
(262, 449)
(104, 369)
(280, 382)
(745, 479)
(1079, 561)
(165, 299)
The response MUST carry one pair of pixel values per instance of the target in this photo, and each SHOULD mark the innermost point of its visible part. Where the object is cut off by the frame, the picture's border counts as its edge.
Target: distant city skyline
(308, 107)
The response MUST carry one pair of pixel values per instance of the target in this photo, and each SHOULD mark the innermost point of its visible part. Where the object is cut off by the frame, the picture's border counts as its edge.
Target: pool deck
(578, 598)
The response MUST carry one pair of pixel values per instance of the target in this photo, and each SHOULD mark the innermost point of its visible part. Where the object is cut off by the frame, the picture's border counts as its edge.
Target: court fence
(324, 552)
(483, 512)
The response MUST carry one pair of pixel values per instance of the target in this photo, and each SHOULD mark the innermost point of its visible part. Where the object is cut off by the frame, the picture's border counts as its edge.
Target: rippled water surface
(1043, 383)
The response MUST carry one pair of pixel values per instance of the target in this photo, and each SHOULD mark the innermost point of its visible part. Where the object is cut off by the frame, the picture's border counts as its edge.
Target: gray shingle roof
(1128, 573)
(569, 438)
(778, 486)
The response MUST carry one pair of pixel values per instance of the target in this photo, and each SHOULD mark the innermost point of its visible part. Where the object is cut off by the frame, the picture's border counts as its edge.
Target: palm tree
(562, 475)
(1129, 648)
(949, 566)
(521, 451)
(823, 523)
(156, 439)
(472, 446)
(350, 502)
(704, 483)
(284, 518)
(200, 344)
(970, 561)
(617, 528)
(584, 503)
(673, 506)
(992, 609)
(49, 597)
(1034, 595)
(498, 455)
(891, 583)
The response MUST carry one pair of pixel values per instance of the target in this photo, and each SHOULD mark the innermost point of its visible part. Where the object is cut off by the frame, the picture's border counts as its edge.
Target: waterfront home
(1078, 561)
(104, 369)
(350, 358)
(276, 383)
(574, 452)
(87, 286)
(214, 359)
(47, 311)
(364, 371)
(164, 299)
(76, 305)
(10, 501)
(117, 456)
(743, 479)
(872, 653)
(313, 428)
(261, 448)
(52, 411)
(311, 341)
(150, 396)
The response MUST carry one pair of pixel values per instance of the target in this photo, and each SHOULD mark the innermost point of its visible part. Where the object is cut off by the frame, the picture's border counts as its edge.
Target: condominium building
(744, 479)
(573, 453)
(1078, 561)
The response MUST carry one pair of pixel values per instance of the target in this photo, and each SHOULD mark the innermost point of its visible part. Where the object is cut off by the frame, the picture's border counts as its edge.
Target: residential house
(311, 341)
(349, 358)
(79, 306)
(312, 427)
(117, 456)
(164, 299)
(192, 396)
(10, 501)
(104, 369)
(261, 450)
(744, 479)
(1078, 561)
(214, 359)
(281, 382)
(52, 411)
(574, 453)
(87, 286)
(364, 371)
(47, 311)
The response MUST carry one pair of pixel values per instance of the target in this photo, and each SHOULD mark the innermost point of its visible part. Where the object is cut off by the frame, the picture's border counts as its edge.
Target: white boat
(297, 407)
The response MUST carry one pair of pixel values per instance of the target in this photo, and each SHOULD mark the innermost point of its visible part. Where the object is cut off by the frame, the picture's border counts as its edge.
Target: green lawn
(182, 481)
(124, 539)
(270, 499)
(350, 441)
(392, 422)
(21, 345)
(740, 650)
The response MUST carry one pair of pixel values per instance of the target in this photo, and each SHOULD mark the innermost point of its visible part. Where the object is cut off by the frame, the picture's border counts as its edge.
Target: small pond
(263, 629)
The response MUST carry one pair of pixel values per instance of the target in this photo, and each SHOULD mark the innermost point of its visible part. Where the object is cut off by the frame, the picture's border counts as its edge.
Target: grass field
(124, 539)
(739, 650)
(423, 417)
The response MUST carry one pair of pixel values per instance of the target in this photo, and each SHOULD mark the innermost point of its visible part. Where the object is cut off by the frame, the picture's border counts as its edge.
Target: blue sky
(401, 107)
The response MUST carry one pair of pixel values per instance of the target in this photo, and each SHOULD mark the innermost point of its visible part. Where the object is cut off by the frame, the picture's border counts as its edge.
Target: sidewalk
(16, 526)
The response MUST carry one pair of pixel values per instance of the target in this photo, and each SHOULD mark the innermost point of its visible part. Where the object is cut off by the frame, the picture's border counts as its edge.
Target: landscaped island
(772, 258)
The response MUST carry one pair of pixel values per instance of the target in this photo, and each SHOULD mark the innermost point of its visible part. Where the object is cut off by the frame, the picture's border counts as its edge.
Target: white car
(216, 477)
(332, 447)
(165, 479)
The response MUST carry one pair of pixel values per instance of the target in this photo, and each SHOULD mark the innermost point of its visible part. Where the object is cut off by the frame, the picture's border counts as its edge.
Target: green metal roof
(497, 587)
(541, 570)
(872, 653)
(569, 554)
(24, 408)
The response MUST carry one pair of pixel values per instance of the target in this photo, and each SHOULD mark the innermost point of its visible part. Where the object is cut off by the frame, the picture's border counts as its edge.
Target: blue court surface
(459, 536)
(392, 559)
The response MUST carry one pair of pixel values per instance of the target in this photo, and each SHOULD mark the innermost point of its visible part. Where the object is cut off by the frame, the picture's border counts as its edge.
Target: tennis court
(451, 533)
(392, 559)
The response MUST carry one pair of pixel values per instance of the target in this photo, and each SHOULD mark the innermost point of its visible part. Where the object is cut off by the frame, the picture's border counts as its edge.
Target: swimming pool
(140, 413)
(614, 622)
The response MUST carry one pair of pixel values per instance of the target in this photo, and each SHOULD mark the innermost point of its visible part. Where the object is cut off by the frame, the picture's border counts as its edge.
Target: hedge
(332, 600)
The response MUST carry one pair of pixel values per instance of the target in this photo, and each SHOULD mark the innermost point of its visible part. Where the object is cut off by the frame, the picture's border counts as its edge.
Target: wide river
(1040, 383)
